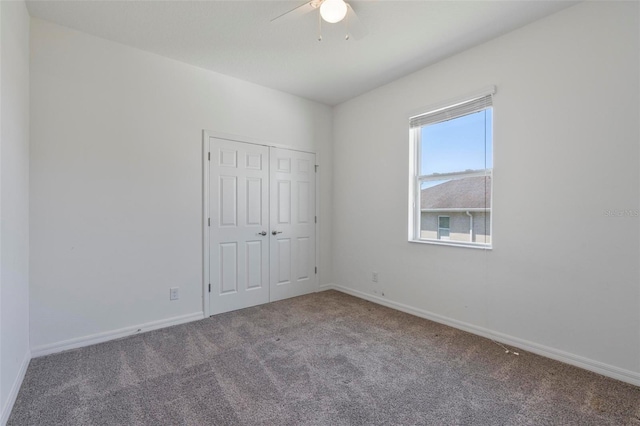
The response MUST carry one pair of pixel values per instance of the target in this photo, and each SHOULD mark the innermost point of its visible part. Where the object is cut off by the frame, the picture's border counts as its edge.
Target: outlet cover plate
(174, 293)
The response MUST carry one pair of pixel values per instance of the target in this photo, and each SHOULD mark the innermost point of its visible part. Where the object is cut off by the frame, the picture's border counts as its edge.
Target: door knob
(276, 232)
(263, 233)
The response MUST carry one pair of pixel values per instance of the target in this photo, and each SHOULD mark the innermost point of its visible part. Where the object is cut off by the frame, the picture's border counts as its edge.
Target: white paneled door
(261, 224)
(293, 230)
(239, 225)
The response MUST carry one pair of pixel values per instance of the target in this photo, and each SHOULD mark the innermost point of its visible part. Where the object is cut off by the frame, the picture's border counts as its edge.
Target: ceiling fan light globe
(333, 11)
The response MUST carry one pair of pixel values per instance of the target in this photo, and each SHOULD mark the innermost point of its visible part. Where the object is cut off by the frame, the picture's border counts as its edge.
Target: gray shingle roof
(466, 193)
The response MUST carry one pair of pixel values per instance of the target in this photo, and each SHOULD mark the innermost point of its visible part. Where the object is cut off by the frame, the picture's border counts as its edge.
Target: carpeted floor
(322, 359)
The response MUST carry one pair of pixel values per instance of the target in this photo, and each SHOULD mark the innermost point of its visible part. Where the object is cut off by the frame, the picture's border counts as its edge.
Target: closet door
(239, 227)
(293, 230)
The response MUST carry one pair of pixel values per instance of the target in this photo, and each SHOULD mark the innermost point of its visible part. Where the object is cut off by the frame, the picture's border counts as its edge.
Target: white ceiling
(237, 38)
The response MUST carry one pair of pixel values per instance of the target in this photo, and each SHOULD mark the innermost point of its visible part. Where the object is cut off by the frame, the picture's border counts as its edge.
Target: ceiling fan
(330, 11)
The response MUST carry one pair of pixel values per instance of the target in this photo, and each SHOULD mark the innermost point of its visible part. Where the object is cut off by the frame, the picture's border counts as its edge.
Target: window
(443, 227)
(451, 173)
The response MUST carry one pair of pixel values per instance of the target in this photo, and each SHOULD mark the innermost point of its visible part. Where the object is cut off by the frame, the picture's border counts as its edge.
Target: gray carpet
(322, 359)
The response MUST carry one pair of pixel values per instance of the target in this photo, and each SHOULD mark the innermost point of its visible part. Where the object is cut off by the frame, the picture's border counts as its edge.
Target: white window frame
(415, 180)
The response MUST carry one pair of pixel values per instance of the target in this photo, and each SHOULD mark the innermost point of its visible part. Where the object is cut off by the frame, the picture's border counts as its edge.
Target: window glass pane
(456, 209)
(444, 221)
(430, 194)
(457, 145)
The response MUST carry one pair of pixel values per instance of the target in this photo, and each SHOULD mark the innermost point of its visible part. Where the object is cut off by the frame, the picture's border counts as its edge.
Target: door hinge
(209, 222)
(317, 168)
(209, 287)
(208, 156)
(316, 269)
(316, 219)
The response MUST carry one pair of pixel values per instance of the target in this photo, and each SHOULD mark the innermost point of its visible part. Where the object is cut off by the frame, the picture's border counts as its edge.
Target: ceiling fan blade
(294, 13)
(355, 28)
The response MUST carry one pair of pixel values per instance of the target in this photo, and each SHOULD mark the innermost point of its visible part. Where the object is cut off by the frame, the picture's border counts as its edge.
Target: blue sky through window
(457, 145)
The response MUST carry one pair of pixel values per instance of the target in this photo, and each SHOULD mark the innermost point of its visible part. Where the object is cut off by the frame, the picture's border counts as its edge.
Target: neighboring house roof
(466, 193)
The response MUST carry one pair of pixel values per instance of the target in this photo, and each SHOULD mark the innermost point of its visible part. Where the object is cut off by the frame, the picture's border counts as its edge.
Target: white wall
(14, 200)
(562, 277)
(116, 178)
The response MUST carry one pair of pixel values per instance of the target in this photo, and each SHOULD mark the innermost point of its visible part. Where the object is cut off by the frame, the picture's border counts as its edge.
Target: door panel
(228, 201)
(239, 212)
(284, 202)
(228, 268)
(292, 223)
(303, 202)
(303, 258)
(283, 255)
(254, 264)
(254, 201)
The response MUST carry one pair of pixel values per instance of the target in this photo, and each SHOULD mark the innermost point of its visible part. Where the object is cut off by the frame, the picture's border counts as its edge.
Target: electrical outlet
(374, 277)
(174, 293)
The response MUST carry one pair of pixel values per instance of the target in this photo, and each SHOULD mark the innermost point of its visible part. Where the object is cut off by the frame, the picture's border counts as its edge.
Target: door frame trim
(206, 134)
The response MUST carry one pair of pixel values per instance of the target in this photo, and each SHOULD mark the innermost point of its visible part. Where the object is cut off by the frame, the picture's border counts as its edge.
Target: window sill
(453, 244)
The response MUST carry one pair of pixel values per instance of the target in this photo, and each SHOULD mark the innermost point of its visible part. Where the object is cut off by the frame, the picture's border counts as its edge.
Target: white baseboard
(92, 339)
(15, 388)
(325, 287)
(556, 354)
